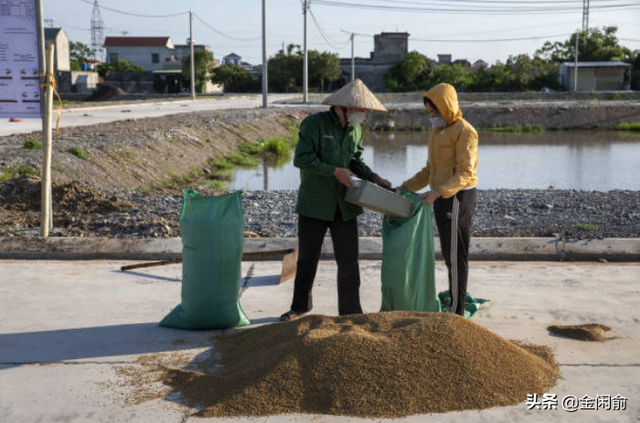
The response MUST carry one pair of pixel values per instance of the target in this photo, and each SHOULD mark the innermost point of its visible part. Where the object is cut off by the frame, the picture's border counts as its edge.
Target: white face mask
(356, 118)
(437, 122)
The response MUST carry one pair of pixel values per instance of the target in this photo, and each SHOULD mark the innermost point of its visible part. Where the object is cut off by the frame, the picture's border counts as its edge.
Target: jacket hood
(446, 100)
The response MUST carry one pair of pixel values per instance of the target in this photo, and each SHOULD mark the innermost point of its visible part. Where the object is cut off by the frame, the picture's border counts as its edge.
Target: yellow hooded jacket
(453, 150)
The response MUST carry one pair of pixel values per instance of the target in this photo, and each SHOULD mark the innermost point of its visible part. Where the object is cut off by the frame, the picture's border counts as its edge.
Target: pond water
(588, 160)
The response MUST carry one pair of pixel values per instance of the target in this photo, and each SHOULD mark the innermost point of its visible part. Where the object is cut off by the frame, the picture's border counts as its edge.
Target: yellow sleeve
(419, 180)
(466, 160)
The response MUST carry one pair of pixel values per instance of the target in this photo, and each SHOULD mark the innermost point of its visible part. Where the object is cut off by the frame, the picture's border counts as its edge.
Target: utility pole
(193, 67)
(575, 72)
(353, 58)
(264, 54)
(585, 15)
(352, 36)
(305, 66)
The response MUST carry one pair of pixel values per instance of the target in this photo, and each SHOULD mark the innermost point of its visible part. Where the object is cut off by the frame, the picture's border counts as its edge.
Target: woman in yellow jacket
(451, 174)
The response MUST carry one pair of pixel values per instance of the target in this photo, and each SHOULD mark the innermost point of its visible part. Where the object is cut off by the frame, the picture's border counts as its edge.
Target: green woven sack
(408, 261)
(212, 230)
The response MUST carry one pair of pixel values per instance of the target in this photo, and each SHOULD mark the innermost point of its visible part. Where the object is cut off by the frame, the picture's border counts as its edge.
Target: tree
(635, 73)
(323, 67)
(462, 62)
(285, 70)
(79, 53)
(593, 45)
(544, 75)
(453, 74)
(235, 79)
(408, 75)
(203, 63)
(119, 66)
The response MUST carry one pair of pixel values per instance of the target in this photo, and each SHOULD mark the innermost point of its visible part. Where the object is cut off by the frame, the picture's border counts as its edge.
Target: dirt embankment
(148, 153)
(547, 115)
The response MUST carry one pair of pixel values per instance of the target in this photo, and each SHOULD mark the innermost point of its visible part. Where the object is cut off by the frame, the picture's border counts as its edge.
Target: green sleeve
(306, 155)
(357, 165)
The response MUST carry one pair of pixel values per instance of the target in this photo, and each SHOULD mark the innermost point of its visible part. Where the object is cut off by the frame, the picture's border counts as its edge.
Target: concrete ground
(68, 328)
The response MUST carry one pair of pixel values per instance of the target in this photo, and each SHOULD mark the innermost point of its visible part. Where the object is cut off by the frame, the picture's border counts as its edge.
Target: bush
(628, 126)
(32, 143)
(78, 152)
(120, 66)
(276, 146)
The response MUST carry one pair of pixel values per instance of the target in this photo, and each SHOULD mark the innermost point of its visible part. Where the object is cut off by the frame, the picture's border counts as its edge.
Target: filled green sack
(408, 261)
(212, 230)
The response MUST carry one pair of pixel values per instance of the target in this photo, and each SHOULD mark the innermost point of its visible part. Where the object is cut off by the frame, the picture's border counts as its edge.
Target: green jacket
(324, 145)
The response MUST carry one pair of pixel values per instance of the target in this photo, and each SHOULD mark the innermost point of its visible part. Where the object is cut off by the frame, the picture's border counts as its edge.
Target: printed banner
(19, 80)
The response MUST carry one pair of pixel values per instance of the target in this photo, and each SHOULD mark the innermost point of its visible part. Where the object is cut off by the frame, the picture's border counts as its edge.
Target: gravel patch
(568, 214)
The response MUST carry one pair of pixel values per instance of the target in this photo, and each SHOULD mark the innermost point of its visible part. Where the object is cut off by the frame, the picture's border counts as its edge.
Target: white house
(152, 53)
(595, 76)
(236, 60)
(232, 59)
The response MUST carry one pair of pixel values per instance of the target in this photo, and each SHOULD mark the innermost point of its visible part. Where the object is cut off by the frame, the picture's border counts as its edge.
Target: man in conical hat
(329, 154)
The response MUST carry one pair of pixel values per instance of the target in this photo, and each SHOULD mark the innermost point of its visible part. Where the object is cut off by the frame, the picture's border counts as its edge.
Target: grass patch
(218, 185)
(515, 128)
(241, 159)
(221, 163)
(12, 172)
(278, 147)
(628, 126)
(251, 149)
(32, 143)
(584, 226)
(78, 152)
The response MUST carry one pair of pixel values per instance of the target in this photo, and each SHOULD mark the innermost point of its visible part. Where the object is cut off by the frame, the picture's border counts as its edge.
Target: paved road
(68, 326)
(93, 115)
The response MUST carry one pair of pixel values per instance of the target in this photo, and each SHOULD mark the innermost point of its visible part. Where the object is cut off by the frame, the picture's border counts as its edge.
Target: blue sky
(240, 22)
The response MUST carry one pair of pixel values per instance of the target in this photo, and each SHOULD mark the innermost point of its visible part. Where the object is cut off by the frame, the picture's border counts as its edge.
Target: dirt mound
(105, 92)
(377, 365)
(593, 332)
(23, 194)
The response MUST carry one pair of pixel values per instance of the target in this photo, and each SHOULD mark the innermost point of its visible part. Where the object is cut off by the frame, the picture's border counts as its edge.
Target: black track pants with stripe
(453, 218)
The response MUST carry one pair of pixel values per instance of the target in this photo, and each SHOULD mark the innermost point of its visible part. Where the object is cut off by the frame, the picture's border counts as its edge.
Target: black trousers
(453, 218)
(311, 233)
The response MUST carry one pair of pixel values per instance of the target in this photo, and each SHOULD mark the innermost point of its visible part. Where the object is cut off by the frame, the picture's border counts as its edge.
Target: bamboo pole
(45, 186)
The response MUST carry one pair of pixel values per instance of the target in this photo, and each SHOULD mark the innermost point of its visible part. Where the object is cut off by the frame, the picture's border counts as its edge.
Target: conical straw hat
(355, 94)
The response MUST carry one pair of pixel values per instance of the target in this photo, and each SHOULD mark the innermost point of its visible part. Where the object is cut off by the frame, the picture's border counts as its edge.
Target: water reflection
(599, 161)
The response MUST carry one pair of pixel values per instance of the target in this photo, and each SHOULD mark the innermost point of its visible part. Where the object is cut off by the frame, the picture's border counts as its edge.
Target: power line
(468, 10)
(476, 2)
(495, 40)
(325, 38)
(139, 15)
(223, 34)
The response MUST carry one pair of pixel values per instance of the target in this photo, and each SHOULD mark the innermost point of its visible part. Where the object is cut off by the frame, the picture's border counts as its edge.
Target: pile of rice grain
(390, 364)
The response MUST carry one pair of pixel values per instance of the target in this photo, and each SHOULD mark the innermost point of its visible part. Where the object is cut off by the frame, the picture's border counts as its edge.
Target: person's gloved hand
(382, 182)
(343, 176)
